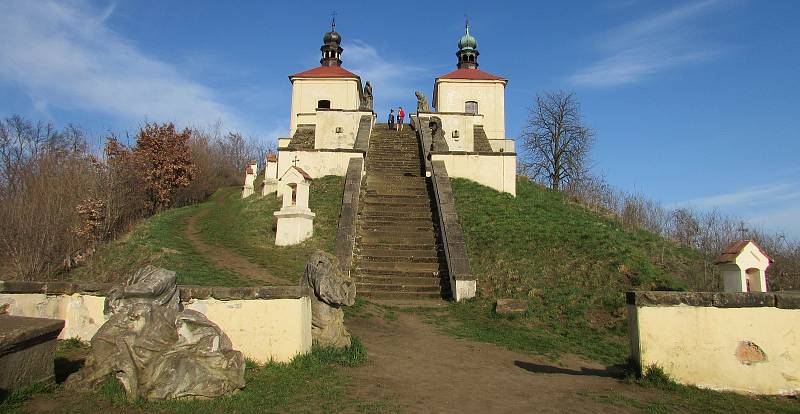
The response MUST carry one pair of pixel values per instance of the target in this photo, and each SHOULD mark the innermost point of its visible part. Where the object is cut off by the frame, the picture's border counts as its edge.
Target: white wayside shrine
(744, 267)
(295, 219)
(270, 175)
(249, 178)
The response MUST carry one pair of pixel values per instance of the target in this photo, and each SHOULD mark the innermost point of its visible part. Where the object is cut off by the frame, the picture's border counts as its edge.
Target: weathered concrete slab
(27, 349)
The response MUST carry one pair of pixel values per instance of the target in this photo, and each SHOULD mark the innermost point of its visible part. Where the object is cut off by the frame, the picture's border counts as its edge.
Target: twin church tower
(332, 118)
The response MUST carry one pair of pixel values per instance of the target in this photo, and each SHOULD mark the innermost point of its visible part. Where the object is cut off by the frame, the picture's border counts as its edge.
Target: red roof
(325, 72)
(732, 250)
(272, 158)
(303, 173)
(472, 74)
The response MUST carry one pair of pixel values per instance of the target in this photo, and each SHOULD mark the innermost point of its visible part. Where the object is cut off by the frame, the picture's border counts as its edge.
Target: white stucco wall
(342, 92)
(262, 329)
(495, 171)
(317, 163)
(697, 345)
(451, 95)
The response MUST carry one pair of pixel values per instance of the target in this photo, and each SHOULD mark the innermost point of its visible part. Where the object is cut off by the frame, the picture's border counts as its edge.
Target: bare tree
(556, 140)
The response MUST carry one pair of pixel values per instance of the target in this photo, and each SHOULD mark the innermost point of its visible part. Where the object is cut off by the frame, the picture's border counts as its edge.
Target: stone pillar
(270, 175)
(249, 178)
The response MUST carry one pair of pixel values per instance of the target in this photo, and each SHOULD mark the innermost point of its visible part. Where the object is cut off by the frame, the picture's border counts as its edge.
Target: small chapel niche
(471, 107)
(293, 186)
(753, 278)
(324, 104)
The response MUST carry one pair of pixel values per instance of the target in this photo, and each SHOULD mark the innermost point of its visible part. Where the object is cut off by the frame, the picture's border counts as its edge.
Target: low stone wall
(462, 283)
(742, 342)
(346, 234)
(264, 323)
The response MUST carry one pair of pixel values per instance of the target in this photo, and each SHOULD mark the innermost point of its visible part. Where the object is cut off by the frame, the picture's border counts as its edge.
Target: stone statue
(366, 98)
(422, 103)
(438, 141)
(155, 348)
(330, 289)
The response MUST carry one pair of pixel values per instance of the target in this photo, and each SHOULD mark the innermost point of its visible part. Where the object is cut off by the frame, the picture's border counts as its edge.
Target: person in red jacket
(400, 115)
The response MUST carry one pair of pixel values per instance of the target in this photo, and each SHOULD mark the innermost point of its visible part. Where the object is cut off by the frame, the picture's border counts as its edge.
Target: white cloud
(750, 196)
(65, 55)
(775, 206)
(650, 45)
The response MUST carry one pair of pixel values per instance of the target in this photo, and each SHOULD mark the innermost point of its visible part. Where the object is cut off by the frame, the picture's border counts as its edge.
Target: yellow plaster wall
(277, 329)
(325, 135)
(262, 329)
(464, 124)
(451, 94)
(342, 92)
(696, 345)
(498, 172)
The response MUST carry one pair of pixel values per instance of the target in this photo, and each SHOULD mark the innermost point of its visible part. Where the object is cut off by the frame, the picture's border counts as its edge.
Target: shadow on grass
(64, 367)
(613, 371)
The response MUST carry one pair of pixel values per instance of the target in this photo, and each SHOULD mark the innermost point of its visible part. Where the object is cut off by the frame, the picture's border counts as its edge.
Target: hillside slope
(234, 228)
(571, 264)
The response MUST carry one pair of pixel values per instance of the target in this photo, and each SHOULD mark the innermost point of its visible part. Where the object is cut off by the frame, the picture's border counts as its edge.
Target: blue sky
(693, 103)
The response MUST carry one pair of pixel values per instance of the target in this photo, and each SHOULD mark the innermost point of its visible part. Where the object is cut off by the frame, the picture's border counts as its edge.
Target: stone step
(377, 267)
(395, 216)
(401, 295)
(403, 280)
(390, 238)
(395, 287)
(399, 230)
(400, 273)
(362, 258)
(398, 222)
(397, 192)
(401, 253)
(379, 208)
(397, 199)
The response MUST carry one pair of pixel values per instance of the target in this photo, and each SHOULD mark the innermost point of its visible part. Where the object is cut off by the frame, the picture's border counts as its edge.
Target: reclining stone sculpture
(156, 349)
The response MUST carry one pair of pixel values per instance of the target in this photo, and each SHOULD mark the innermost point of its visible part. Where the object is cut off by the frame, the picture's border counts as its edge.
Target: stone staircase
(398, 254)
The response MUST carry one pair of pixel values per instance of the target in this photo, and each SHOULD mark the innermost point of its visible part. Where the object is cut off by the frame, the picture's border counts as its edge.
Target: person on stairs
(400, 115)
(391, 120)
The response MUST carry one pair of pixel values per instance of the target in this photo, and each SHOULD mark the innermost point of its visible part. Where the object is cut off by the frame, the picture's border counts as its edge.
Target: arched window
(471, 107)
(324, 104)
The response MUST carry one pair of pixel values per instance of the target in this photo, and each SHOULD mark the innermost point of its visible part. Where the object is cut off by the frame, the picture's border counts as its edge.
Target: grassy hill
(572, 265)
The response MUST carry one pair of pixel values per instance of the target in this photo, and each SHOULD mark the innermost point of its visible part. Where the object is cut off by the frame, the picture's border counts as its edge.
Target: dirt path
(227, 259)
(427, 371)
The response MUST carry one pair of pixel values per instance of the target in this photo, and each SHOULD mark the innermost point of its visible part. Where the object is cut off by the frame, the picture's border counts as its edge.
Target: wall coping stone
(347, 150)
(492, 153)
(782, 300)
(187, 292)
(22, 331)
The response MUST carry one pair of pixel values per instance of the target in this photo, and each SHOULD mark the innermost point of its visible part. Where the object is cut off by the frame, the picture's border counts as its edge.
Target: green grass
(310, 383)
(572, 266)
(248, 226)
